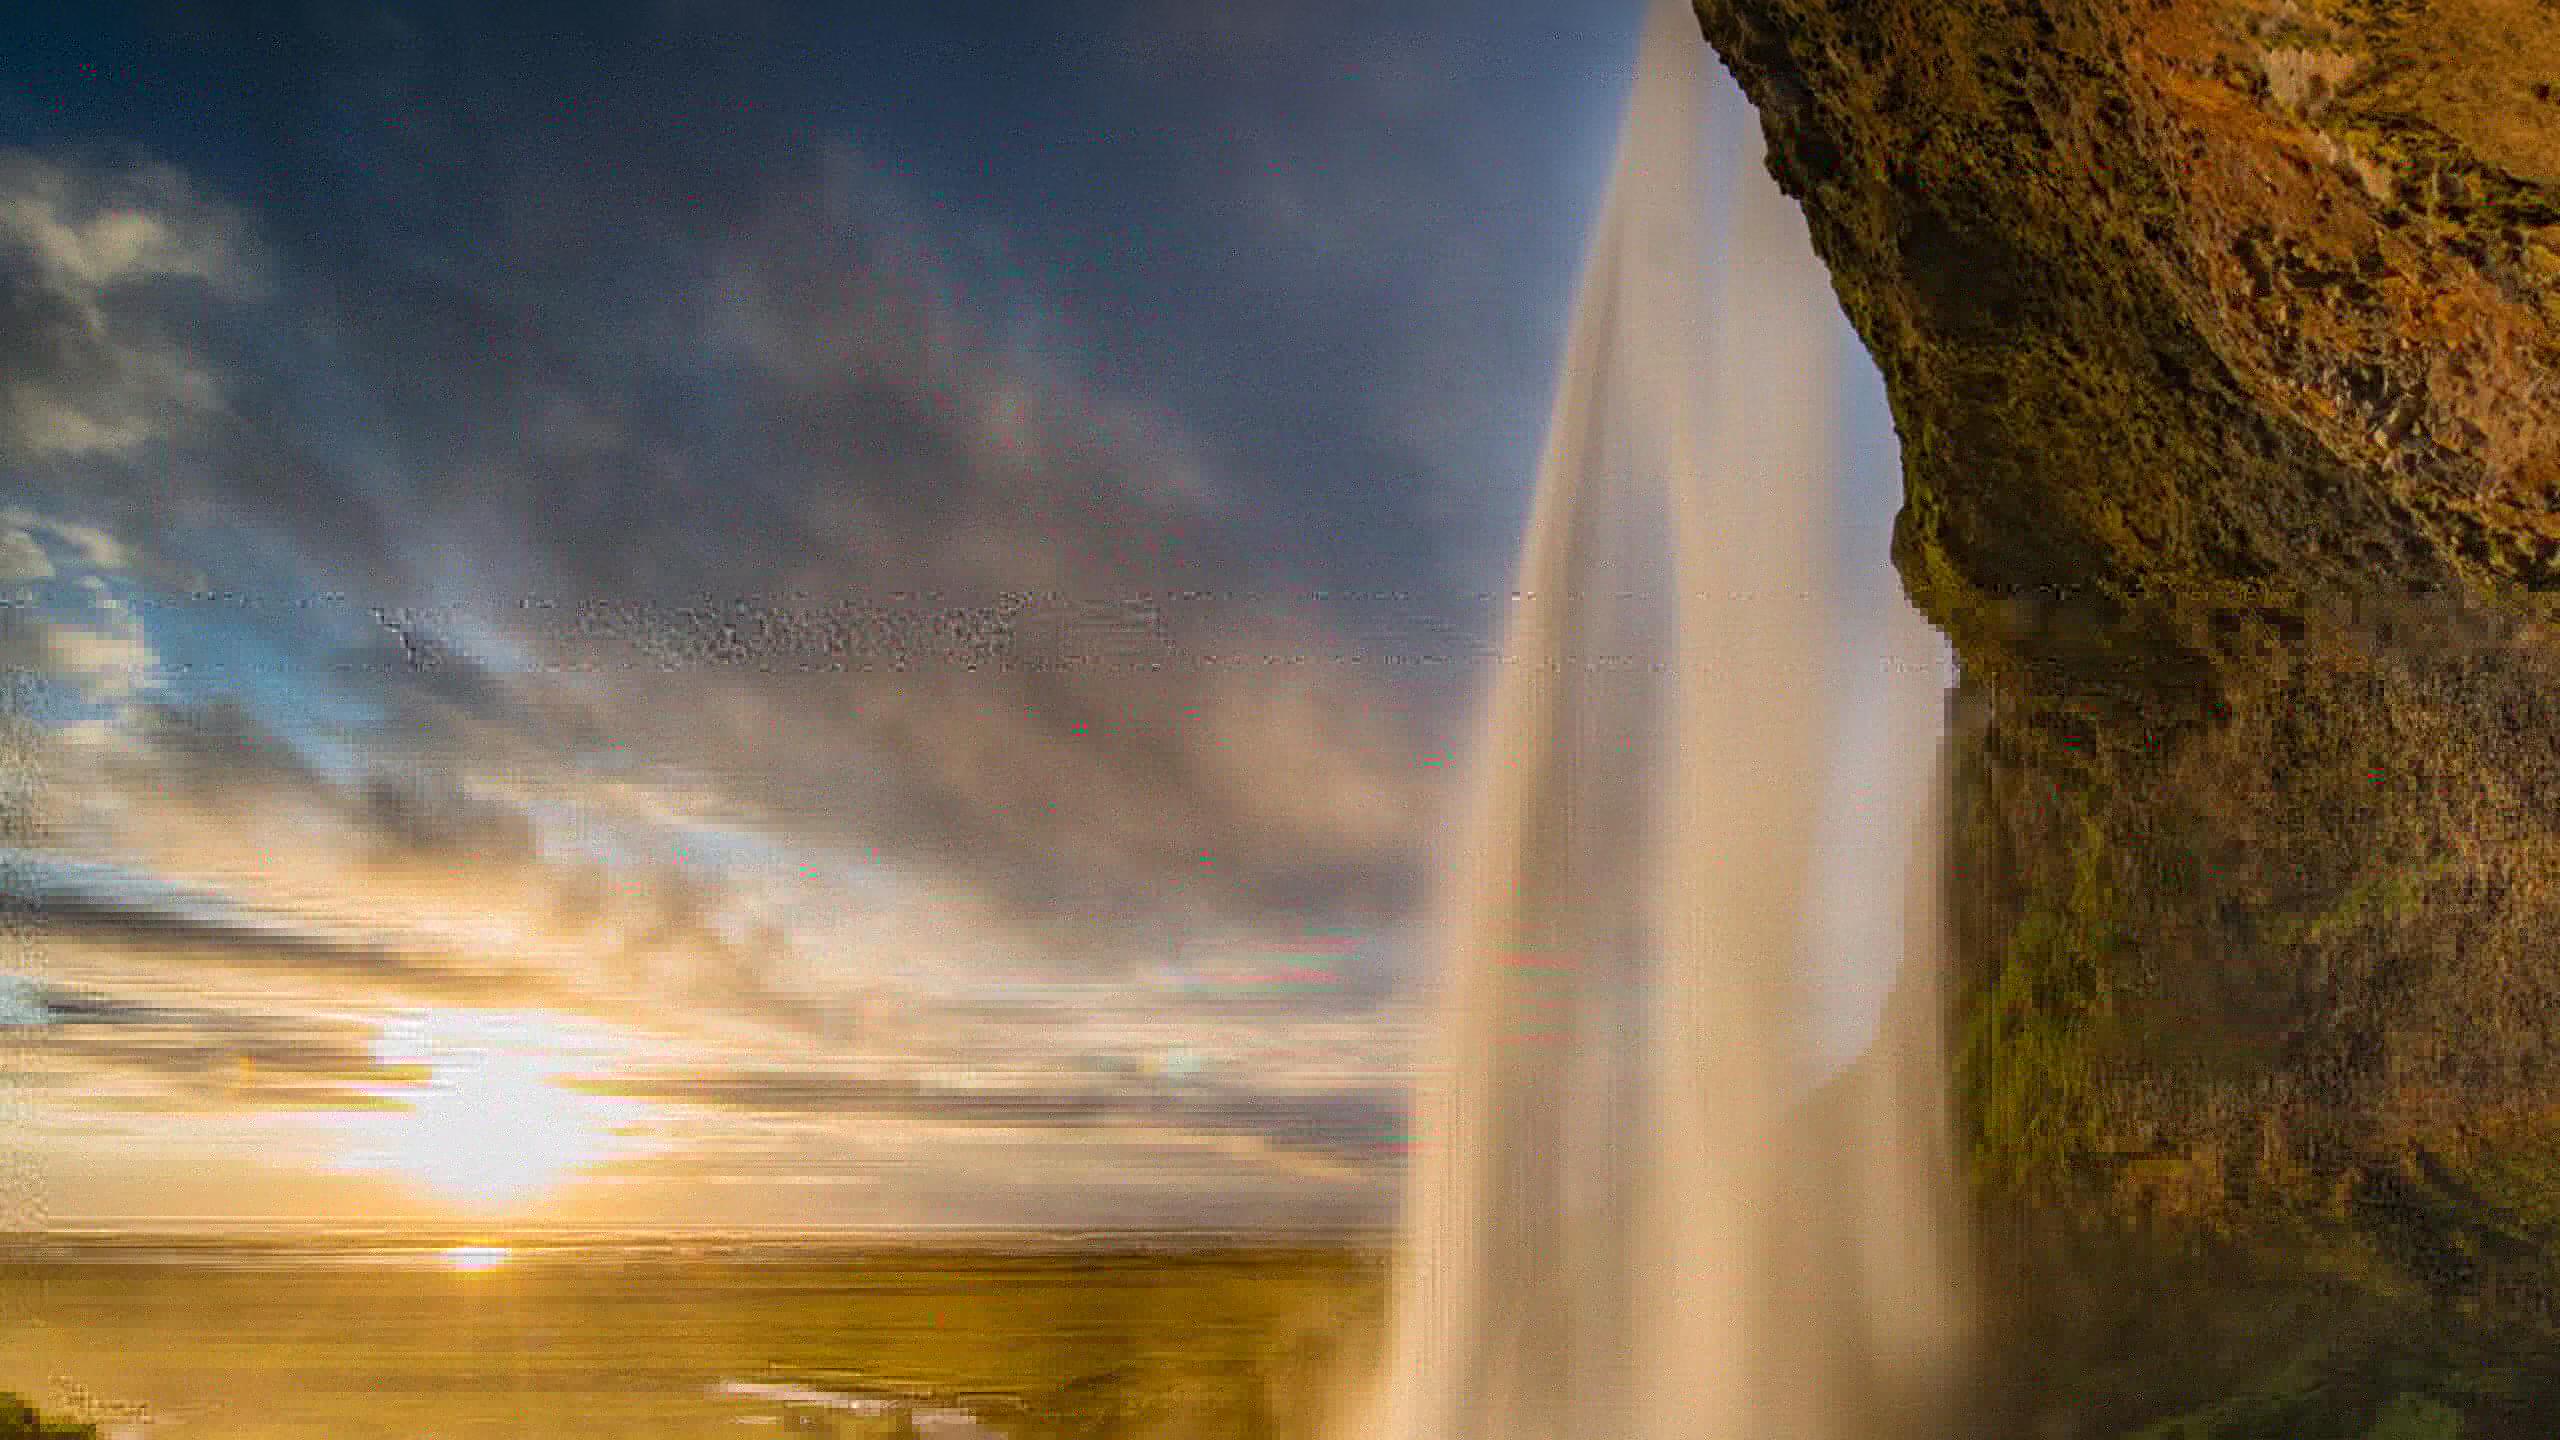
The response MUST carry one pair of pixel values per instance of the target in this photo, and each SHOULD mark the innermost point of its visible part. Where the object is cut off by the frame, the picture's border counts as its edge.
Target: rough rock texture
(2223, 338)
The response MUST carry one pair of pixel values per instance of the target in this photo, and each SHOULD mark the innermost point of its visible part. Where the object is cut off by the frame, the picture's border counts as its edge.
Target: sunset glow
(908, 729)
(473, 1258)
(492, 1128)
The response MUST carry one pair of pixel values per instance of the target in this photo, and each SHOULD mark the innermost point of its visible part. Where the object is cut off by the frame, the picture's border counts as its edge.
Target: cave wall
(2220, 337)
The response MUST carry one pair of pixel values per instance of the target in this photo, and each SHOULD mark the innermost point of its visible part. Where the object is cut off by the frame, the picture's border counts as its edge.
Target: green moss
(2388, 896)
(2028, 1067)
(2304, 1410)
(2412, 1416)
(2521, 1179)
(2278, 1408)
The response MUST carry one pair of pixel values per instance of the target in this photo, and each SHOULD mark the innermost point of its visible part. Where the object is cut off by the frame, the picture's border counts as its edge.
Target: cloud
(398, 873)
(215, 752)
(96, 548)
(784, 627)
(421, 816)
(814, 535)
(22, 559)
(102, 654)
(64, 906)
(135, 1055)
(91, 366)
(1360, 1128)
(21, 1003)
(86, 238)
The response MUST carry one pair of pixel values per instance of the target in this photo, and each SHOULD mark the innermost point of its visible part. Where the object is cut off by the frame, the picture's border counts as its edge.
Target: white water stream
(1625, 1221)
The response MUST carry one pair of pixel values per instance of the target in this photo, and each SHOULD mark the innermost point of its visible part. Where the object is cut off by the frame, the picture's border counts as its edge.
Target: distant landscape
(1096, 1337)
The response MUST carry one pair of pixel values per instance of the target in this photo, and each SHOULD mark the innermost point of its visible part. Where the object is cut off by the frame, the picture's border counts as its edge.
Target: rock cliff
(2221, 340)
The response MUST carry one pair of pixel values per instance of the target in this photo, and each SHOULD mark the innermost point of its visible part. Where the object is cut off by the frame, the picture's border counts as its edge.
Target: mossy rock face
(2223, 341)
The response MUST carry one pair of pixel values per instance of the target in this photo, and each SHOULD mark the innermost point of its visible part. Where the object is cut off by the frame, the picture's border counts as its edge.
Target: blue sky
(932, 540)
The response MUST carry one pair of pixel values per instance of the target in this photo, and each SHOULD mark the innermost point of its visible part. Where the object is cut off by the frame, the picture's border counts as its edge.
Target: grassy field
(1204, 1345)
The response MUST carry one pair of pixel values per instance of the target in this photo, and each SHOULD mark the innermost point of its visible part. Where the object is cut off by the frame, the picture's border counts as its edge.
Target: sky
(720, 614)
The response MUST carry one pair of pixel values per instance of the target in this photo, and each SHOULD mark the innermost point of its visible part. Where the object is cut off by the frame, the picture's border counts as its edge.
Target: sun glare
(491, 1128)
(476, 1257)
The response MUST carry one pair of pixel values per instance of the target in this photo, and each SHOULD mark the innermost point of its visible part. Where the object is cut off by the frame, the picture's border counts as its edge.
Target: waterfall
(1626, 1219)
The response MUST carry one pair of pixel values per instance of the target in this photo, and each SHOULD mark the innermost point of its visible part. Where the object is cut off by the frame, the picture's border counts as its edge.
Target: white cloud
(91, 376)
(99, 648)
(95, 548)
(22, 559)
(88, 242)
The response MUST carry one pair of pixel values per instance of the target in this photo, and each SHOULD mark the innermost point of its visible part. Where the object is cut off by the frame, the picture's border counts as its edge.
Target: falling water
(1627, 1219)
